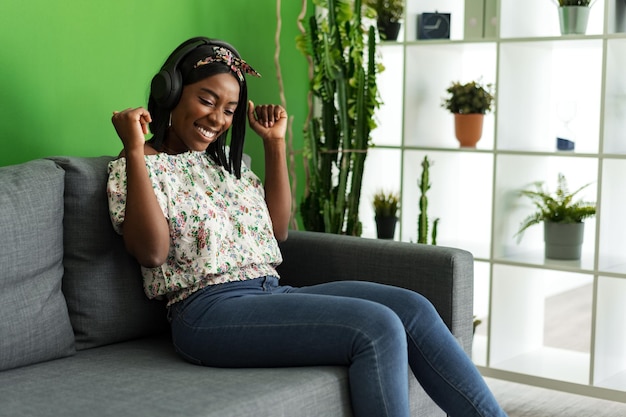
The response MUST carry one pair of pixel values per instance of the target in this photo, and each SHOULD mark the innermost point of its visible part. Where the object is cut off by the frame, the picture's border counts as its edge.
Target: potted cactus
(422, 219)
(343, 60)
(562, 217)
(469, 103)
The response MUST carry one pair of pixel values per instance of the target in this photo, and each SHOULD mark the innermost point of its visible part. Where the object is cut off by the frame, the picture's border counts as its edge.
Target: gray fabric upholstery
(102, 282)
(34, 324)
(146, 378)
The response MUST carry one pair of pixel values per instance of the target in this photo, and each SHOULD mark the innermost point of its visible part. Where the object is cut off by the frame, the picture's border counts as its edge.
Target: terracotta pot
(468, 128)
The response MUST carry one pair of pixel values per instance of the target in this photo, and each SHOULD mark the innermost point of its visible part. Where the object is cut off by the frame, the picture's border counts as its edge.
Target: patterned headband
(224, 56)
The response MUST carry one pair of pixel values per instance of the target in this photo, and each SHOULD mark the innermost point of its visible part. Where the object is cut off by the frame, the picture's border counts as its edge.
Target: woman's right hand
(131, 126)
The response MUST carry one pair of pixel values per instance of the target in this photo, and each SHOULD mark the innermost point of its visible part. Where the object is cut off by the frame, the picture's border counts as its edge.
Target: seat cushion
(102, 282)
(146, 378)
(34, 324)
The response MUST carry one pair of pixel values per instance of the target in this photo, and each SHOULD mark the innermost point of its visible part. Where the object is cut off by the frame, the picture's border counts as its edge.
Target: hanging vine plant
(342, 55)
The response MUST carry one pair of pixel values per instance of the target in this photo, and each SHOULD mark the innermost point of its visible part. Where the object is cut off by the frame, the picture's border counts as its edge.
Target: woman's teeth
(209, 134)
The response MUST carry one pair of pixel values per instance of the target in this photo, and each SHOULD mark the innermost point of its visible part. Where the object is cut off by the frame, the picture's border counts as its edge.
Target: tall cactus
(336, 140)
(422, 219)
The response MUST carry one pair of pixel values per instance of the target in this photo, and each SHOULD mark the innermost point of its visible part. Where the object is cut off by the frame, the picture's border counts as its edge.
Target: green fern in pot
(562, 218)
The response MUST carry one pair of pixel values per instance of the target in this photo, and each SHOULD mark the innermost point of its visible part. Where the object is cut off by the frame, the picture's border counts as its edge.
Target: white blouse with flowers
(220, 229)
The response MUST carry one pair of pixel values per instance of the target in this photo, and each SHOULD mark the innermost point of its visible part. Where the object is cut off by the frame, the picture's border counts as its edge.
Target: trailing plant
(422, 219)
(386, 204)
(557, 207)
(342, 54)
(469, 98)
(387, 10)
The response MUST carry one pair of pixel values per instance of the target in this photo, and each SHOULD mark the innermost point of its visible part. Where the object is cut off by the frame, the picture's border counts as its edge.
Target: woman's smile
(205, 111)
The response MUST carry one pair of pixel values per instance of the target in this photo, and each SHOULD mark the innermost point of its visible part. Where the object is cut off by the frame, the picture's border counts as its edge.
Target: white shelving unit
(537, 74)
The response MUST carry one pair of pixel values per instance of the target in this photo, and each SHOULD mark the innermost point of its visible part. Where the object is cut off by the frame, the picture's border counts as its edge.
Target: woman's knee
(380, 325)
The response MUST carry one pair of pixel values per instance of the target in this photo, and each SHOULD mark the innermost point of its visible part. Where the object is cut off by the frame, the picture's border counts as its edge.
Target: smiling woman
(205, 230)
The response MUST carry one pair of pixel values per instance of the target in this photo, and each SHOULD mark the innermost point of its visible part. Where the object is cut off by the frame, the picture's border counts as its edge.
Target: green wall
(66, 65)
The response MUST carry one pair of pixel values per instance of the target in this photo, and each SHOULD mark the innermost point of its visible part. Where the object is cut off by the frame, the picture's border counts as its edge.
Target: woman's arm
(270, 122)
(145, 229)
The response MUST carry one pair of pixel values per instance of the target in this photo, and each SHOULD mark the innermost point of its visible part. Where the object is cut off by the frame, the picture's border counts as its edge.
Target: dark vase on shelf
(386, 227)
(389, 30)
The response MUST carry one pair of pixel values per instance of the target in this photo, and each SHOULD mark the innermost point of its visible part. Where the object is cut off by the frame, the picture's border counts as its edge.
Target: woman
(205, 231)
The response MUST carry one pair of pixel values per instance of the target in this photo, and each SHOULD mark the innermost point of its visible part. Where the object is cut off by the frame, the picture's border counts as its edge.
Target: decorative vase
(573, 19)
(389, 30)
(468, 128)
(386, 226)
(563, 240)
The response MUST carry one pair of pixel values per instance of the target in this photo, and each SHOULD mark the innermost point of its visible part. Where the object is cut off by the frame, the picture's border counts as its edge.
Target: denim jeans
(376, 330)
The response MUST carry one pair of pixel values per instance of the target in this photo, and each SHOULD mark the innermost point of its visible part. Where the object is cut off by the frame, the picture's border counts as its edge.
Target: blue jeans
(375, 330)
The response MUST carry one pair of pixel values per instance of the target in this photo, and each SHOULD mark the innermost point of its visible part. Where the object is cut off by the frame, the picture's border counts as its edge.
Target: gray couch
(78, 337)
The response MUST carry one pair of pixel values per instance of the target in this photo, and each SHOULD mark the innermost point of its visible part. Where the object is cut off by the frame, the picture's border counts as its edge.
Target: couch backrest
(102, 282)
(34, 322)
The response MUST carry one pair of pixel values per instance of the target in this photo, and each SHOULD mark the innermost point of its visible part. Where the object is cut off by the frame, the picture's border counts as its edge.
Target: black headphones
(166, 86)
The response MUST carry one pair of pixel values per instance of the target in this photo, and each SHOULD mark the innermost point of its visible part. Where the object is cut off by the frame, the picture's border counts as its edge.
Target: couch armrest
(443, 275)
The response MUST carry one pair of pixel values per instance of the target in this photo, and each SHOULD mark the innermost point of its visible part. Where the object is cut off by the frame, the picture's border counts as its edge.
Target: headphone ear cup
(166, 87)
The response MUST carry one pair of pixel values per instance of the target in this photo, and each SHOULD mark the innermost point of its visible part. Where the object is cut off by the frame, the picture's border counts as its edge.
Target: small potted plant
(573, 15)
(389, 13)
(469, 103)
(386, 206)
(562, 217)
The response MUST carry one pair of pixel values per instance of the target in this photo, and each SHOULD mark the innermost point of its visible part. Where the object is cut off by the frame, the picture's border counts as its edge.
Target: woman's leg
(439, 363)
(258, 324)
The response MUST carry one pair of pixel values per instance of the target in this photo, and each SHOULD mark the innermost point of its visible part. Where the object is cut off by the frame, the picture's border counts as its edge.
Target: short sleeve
(116, 192)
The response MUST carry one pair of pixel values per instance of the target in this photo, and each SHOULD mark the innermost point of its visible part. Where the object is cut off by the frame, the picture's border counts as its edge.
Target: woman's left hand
(268, 120)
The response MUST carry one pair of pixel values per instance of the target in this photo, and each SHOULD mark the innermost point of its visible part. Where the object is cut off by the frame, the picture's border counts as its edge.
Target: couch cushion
(146, 378)
(102, 282)
(34, 323)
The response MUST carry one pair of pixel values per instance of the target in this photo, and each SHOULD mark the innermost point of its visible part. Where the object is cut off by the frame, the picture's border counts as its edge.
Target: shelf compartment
(533, 328)
(616, 17)
(376, 178)
(517, 172)
(540, 97)
(612, 220)
(430, 70)
(460, 195)
(615, 97)
(389, 116)
(540, 18)
(610, 345)
(416, 7)
(481, 311)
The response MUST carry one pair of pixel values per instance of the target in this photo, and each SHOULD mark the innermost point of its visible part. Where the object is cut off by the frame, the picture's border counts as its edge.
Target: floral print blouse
(220, 229)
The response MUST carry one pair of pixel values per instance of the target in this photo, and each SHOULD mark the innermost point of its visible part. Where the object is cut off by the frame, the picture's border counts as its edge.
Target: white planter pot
(563, 240)
(573, 19)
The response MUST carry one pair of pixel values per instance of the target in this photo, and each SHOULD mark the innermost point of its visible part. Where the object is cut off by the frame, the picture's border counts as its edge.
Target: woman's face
(205, 111)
